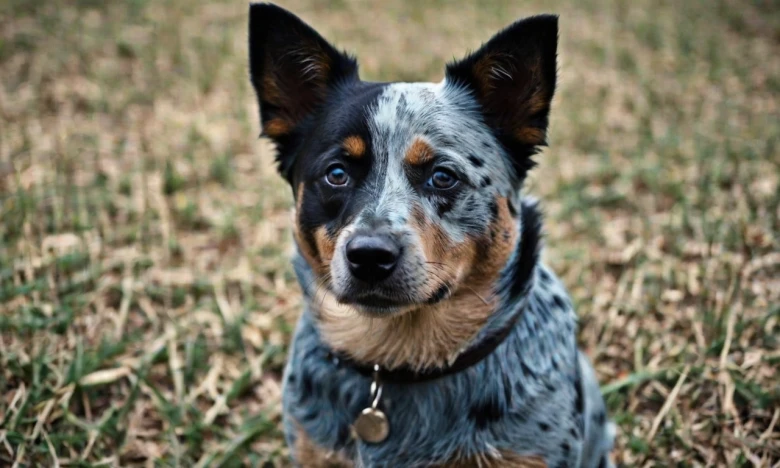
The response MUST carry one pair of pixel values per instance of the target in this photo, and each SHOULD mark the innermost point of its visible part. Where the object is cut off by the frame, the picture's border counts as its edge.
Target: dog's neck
(432, 336)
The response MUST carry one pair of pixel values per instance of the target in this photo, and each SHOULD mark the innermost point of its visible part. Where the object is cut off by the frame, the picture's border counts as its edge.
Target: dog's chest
(521, 402)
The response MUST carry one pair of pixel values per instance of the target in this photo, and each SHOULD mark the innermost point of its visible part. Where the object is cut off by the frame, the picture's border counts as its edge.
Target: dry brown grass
(146, 296)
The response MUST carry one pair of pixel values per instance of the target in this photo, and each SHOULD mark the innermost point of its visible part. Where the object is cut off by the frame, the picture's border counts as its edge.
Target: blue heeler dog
(433, 335)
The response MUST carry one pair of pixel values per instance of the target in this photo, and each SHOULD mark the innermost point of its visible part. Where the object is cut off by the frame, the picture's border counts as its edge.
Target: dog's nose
(372, 258)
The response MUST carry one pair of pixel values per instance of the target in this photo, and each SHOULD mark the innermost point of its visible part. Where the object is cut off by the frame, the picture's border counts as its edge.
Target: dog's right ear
(292, 69)
(513, 78)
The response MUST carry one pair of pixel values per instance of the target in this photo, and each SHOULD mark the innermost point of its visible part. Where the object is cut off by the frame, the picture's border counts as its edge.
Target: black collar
(470, 357)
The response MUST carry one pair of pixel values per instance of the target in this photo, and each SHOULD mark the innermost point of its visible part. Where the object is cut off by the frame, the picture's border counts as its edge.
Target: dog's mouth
(383, 304)
(375, 303)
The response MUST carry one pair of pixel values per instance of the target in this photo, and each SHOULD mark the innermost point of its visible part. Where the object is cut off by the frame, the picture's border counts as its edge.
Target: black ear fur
(513, 78)
(292, 69)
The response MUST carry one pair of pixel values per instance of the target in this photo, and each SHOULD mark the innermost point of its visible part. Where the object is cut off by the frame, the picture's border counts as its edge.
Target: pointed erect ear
(292, 69)
(513, 78)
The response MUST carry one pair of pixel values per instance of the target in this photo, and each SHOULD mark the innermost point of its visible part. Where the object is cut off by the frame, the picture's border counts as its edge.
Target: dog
(433, 335)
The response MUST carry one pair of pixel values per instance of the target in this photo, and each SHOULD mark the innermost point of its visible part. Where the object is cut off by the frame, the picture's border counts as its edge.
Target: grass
(146, 295)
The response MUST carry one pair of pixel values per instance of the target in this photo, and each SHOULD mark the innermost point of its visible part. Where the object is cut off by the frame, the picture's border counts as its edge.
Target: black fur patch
(306, 387)
(507, 391)
(527, 370)
(600, 418)
(476, 160)
(343, 435)
(565, 449)
(559, 302)
(486, 412)
(579, 405)
(309, 159)
(512, 208)
(521, 268)
(444, 205)
(546, 278)
(493, 210)
(440, 294)
(520, 390)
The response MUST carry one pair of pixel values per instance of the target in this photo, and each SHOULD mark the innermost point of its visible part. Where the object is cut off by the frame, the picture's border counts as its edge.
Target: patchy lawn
(146, 297)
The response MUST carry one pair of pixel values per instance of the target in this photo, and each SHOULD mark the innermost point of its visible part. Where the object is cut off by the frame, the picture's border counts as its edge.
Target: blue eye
(442, 179)
(337, 175)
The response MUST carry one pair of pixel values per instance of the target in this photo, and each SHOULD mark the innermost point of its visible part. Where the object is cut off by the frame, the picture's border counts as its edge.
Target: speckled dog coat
(417, 255)
(535, 394)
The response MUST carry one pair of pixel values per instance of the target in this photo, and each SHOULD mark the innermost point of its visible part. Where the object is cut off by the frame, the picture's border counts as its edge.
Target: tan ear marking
(500, 83)
(276, 127)
(530, 135)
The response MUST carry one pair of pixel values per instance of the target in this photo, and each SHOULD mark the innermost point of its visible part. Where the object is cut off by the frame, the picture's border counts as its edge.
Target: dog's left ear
(293, 71)
(513, 78)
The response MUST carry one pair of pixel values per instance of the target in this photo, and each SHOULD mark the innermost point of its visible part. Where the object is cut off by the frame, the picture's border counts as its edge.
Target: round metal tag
(372, 426)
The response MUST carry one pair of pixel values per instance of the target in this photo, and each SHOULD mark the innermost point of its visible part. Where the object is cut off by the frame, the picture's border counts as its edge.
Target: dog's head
(406, 193)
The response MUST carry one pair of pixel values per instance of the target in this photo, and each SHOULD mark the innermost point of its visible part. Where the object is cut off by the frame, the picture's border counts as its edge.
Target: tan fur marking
(484, 72)
(323, 63)
(429, 335)
(325, 244)
(271, 91)
(276, 127)
(530, 135)
(308, 454)
(538, 101)
(420, 152)
(307, 250)
(354, 146)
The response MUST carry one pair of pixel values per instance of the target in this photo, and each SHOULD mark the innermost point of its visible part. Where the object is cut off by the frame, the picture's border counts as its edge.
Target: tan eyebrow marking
(276, 127)
(420, 152)
(354, 146)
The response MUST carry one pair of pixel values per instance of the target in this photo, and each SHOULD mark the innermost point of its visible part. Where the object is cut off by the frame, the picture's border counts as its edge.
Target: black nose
(372, 258)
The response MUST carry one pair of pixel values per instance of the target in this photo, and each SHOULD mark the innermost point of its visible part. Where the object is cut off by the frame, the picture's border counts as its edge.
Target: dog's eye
(337, 175)
(442, 179)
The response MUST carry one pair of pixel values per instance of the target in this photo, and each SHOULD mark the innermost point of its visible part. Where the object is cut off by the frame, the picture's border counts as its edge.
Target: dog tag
(372, 426)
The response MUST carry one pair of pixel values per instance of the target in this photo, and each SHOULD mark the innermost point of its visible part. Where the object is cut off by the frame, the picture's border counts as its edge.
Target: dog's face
(404, 192)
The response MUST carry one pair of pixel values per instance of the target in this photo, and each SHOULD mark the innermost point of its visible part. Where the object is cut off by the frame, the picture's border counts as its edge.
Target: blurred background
(146, 294)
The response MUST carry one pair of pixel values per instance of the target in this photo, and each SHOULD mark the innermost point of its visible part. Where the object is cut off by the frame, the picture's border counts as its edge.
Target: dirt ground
(146, 295)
